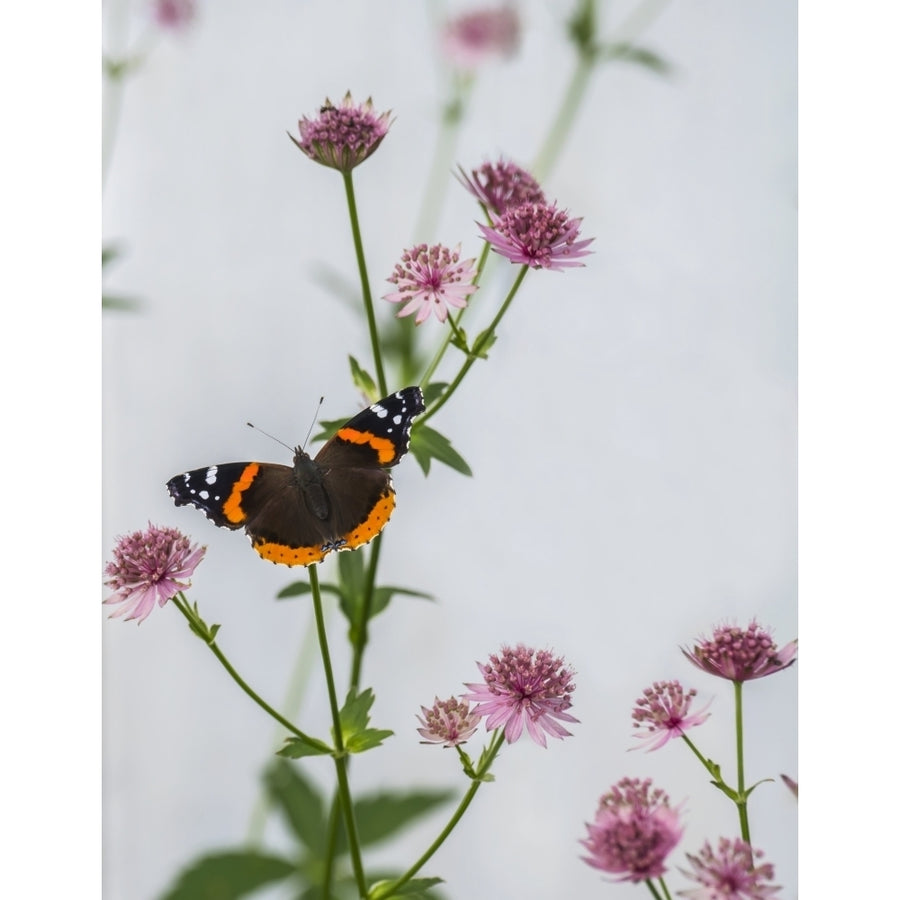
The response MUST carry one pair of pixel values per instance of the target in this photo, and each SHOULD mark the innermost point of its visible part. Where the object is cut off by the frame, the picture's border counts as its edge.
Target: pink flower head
(524, 687)
(147, 567)
(633, 831)
(448, 722)
(537, 235)
(342, 136)
(741, 654)
(663, 712)
(502, 185)
(432, 278)
(174, 14)
(730, 873)
(473, 38)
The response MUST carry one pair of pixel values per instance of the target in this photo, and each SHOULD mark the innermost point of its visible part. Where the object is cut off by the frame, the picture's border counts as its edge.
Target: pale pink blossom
(663, 712)
(730, 873)
(448, 722)
(524, 689)
(473, 38)
(741, 654)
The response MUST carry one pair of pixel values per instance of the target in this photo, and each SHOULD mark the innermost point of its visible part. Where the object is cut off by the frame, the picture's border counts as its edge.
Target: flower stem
(364, 282)
(483, 768)
(653, 890)
(362, 626)
(340, 755)
(199, 627)
(739, 739)
(482, 340)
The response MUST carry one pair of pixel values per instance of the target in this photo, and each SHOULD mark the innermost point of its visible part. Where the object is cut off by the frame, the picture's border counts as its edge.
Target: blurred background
(632, 436)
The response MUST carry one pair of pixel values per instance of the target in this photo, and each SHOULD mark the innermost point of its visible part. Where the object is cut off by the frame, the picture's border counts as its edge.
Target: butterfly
(338, 500)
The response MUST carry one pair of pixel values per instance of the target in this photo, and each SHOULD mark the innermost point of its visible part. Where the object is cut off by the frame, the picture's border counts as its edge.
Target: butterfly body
(338, 500)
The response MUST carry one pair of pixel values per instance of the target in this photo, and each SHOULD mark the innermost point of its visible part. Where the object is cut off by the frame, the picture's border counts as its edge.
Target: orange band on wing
(232, 506)
(384, 447)
(289, 556)
(374, 523)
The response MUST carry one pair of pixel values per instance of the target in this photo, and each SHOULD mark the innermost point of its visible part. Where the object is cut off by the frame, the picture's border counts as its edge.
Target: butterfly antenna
(314, 420)
(272, 436)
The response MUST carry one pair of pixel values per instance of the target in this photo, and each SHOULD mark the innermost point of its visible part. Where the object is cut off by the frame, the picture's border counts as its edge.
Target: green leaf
(415, 887)
(229, 875)
(108, 254)
(299, 588)
(382, 596)
(483, 343)
(297, 748)
(380, 816)
(638, 55)
(300, 802)
(460, 341)
(366, 739)
(363, 380)
(354, 715)
(428, 444)
(119, 303)
(432, 391)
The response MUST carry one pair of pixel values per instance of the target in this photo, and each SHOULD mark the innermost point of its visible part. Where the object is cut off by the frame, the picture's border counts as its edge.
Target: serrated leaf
(428, 444)
(354, 715)
(366, 739)
(363, 380)
(297, 748)
(229, 875)
(300, 802)
(380, 816)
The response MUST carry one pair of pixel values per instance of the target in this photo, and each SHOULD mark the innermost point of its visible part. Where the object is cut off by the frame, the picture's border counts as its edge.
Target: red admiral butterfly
(296, 514)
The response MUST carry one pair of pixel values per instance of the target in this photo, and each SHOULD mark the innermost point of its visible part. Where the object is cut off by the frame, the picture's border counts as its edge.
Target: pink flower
(633, 831)
(663, 713)
(537, 235)
(448, 722)
(471, 39)
(147, 567)
(729, 874)
(740, 654)
(524, 687)
(431, 278)
(342, 136)
(174, 14)
(502, 185)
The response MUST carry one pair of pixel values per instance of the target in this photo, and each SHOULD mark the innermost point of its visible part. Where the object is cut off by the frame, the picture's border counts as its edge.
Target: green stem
(364, 282)
(442, 162)
(340, 755)
(362, 626)
(653, 890)
(559, 130)
(198, 625)
(473, 354)
(739, 737)
(454, 322)
(483, 768)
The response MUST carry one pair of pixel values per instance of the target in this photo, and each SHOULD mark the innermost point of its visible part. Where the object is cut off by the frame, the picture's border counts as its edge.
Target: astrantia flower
(502, 185)
(342, 136)
(432, 278)
(174, 14)
(633, 831)
(741, 654)
(524, 687)
(150, 566)
(663, 712)
(448, 722)
(471, 39)
(730, 873)
(537, 235)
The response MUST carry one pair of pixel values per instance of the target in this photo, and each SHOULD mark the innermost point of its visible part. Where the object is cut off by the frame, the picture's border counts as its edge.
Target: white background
(633, 434)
